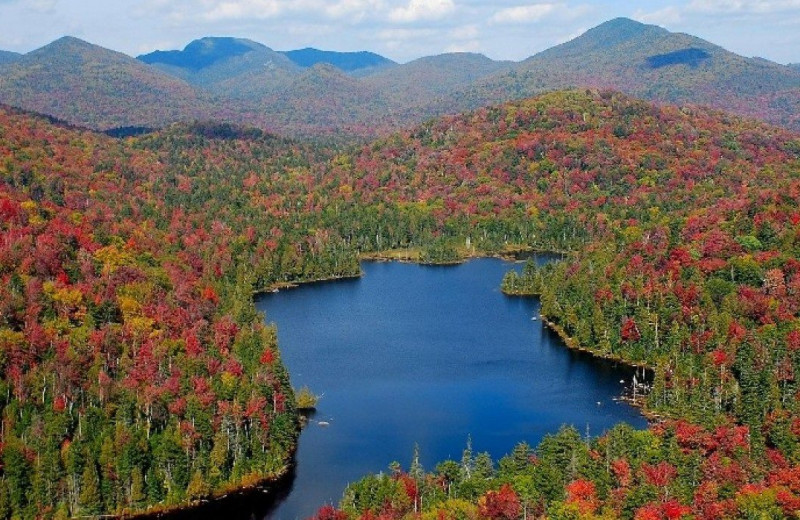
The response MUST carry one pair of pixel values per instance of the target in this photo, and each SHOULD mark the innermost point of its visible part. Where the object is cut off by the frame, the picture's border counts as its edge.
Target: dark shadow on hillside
(692, 57)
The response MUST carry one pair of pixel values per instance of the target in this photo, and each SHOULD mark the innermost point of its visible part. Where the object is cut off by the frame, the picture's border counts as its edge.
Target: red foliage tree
(500, 505)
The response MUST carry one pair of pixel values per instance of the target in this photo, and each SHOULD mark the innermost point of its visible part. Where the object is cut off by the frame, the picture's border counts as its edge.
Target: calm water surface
(429, 355)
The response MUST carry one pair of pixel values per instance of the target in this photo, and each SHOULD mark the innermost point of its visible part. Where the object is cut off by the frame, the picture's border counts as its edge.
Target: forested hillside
(683, 227)
(652, 63)
(136, 372)
(8, 57)
(94, 87)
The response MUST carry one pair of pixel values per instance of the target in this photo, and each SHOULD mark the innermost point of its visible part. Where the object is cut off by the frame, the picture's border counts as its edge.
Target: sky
(398, 29)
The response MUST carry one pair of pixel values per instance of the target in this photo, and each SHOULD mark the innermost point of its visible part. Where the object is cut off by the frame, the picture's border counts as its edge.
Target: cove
(429, 355)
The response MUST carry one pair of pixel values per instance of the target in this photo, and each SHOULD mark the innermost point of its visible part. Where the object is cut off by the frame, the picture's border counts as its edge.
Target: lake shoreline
(270, 487)
(572, 344)
(274, 485)
(408, 256)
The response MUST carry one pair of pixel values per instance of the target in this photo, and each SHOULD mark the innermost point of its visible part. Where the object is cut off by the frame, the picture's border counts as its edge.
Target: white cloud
(465, 32)
(238, 9)
(666, 16)
(524, 13)
(417, 10)
(397, 34)
(357, 9)
(531, 13)
(741, 6)
(468, 46)
(211, 11)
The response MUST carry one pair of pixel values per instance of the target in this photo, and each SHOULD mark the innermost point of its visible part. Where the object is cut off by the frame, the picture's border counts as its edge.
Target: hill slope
(652, 63)
(136, 372)
(142, 345)
(416, 89)
(683, 231)
(9, 57)
(98, 88)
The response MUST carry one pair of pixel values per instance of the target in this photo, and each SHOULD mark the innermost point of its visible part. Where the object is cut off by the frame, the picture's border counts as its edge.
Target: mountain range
(314, 92)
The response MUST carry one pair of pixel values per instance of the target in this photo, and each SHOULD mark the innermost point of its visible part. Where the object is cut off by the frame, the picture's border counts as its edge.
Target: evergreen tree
(89, 499)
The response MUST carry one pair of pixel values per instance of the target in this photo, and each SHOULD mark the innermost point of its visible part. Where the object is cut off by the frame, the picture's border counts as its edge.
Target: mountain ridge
(347, 61)
(98, 88)
(9, 57)
(244, 81)
(652, 63)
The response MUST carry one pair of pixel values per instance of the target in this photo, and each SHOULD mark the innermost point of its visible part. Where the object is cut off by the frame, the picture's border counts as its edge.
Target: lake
(428, 355)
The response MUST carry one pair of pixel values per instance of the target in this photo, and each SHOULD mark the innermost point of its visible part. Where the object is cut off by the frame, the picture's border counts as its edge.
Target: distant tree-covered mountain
(346, 61)
(347, 94)
(88, 85)
(9, 57)
(423, 82)
(231, 67)
(200, 54)
(650, 62)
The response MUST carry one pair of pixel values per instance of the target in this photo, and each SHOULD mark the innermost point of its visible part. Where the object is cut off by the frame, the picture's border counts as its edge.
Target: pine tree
(137, 487)
(89, 498)
(198, 487)
(5, 500)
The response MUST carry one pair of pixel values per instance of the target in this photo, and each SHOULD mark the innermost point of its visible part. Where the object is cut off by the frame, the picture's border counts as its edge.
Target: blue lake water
(428, 355)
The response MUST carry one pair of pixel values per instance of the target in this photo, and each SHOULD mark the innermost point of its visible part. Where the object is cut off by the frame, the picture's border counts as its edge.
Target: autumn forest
(138, 377)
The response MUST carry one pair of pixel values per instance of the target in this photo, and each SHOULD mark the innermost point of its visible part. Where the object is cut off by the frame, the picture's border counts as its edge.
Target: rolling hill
(91, 86)
(650, 62)
(361, 62)
(138, 374)
(9, 57)
(324, 99)
(416, 89)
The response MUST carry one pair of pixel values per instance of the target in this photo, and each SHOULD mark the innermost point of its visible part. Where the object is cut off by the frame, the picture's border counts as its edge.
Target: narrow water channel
(428, 355)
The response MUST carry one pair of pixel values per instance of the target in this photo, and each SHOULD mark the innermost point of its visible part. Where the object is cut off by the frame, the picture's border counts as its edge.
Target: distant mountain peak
(623, 23)
(203, 52)
(346, 61)
(69, 43)
(619, 30)
(69, 40)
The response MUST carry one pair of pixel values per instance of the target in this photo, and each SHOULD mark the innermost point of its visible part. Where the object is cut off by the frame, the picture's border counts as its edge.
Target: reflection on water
(254, 504)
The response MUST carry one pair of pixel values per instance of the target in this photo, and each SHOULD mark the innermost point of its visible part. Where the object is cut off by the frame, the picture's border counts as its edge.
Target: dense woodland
(137, 374)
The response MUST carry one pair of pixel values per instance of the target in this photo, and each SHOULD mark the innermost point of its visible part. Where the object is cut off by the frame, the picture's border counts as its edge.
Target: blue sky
(399, 29)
